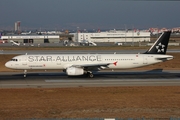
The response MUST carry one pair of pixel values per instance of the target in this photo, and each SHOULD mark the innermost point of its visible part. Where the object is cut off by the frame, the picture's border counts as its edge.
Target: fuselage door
(24, 60)
(145, 60)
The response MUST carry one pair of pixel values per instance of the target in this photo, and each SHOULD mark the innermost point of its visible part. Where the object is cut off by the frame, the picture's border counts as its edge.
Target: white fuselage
(63, 61)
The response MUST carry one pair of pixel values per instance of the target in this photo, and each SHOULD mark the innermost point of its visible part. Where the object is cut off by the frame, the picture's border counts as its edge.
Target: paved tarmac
(101, 79)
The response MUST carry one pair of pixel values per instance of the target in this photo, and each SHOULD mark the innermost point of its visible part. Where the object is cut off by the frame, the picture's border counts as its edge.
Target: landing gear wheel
(24, 76)
(25, 72)
(90, 75)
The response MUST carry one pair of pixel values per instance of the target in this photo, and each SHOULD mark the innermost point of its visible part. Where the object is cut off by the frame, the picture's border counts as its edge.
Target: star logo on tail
(160, 47)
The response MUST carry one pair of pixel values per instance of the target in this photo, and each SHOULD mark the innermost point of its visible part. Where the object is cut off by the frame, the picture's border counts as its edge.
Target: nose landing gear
(25, 72)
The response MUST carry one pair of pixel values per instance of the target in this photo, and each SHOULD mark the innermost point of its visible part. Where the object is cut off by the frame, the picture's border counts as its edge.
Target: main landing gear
(90, 74)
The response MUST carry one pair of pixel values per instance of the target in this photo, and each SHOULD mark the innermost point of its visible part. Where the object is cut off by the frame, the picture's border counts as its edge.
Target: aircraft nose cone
(8, 65)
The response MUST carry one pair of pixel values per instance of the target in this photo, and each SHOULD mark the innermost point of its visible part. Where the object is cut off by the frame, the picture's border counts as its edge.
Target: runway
(101, 79)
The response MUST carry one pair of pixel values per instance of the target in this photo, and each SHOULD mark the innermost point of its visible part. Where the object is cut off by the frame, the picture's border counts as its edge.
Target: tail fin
(161, 44)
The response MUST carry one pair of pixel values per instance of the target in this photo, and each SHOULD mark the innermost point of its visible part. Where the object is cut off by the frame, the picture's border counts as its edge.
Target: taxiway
(102, 79)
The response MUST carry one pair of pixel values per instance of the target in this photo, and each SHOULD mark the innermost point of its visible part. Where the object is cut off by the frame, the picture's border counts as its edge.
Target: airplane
(26, 33)
(86, 64)
(87, 43)
(14, 43)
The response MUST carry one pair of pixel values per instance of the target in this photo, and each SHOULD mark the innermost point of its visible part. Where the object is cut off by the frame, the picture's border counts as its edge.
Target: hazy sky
(89, 14)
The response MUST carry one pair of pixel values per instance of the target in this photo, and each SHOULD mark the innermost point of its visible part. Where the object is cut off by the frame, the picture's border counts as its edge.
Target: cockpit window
(14, 59)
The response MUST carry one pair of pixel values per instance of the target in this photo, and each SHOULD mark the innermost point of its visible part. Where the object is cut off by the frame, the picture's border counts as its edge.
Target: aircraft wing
(96, 67)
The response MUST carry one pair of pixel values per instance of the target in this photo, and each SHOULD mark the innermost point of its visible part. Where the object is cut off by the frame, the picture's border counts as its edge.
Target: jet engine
(74, 71)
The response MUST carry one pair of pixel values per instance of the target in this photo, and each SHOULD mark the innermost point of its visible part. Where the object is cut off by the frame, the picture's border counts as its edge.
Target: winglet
(161, 44)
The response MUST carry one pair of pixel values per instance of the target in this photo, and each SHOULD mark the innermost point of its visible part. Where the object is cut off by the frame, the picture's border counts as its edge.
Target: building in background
(114, 36)
(17, 26)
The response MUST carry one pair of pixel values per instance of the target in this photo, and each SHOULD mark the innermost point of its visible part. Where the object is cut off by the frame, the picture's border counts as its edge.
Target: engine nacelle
(74, 71)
